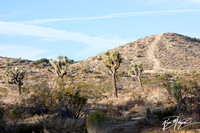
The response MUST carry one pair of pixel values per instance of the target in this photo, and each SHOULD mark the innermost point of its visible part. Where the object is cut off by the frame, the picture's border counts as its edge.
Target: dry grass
(60, 124)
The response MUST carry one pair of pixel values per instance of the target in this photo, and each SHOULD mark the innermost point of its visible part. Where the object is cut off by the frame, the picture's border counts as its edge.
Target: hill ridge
(165, 51)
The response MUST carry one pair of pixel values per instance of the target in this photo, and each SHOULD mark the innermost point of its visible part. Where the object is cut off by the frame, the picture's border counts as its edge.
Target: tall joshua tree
(137, 69)
(60, 66)
(112, 61)
(15, 76)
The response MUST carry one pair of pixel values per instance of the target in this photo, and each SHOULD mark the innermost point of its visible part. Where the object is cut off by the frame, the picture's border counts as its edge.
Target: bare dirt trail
(151, 52)
(129, 126)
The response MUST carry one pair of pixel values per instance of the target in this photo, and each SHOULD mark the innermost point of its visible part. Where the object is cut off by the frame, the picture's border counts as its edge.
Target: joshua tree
(112, 61)
(15, 76)
(60, 66)
(137, 69)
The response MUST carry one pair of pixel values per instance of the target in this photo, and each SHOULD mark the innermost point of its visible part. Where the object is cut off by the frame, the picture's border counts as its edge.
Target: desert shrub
(156, 74)
(97, 122)
(41, 61)
(161, 114)
(164, 79)
(139, 56)
(34, 87)
(185, 88)
(176, 89)
(165, 76)
(9, 116)
(186, 92)
(62, 102)
(194, 73)
(14, 113)
(189, 84)
(99, 58)
(90, 88)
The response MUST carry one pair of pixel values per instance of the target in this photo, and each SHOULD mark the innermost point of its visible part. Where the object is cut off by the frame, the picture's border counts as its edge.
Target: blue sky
(33, 29)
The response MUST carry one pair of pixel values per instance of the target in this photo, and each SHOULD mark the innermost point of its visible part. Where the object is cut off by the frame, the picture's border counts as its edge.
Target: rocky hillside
(161, 52)
(167, 51)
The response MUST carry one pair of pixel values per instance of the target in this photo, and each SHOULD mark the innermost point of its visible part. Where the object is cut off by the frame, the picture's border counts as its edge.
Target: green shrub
(61, 102)
(139, 56)
(97, 122)
(41, 61)
(176, 89)
(165, 81)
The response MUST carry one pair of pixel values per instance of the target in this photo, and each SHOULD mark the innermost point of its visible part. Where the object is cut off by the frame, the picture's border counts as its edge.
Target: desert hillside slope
(167, 51)
(158, 53)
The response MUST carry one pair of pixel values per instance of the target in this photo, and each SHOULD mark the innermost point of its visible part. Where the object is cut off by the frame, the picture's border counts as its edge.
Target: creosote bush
(62, 102)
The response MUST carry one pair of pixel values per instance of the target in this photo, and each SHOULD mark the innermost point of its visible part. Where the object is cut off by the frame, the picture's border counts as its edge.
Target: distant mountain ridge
(166, 51)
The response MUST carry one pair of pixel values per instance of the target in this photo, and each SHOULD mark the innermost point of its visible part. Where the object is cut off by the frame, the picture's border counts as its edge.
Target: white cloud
(49, 34)
(11, 28)
(21, 51)
(115, 15)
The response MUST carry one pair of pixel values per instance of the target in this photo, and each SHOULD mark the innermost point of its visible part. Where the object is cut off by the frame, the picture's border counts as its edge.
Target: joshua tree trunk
(61, 78)
(19, 89)
(140, 82)
(114, 83)
(62, 81)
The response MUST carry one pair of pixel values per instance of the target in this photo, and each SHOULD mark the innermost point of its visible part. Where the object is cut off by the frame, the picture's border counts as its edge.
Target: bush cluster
(60, 101)
(41, 61)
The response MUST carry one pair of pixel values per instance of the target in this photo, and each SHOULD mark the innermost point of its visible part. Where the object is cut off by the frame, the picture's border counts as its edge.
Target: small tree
(137, 69)
(112, 61)
(15, 76)
(60, 66)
